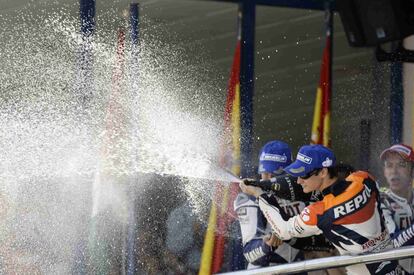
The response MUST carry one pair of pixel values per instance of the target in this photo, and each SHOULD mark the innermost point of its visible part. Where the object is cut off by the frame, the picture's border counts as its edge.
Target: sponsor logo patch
(354, 204)
(242, 211)
(305, 214)
(377, 240)
(297, 227)
(327, 162)
(304, 158)
(273, 157)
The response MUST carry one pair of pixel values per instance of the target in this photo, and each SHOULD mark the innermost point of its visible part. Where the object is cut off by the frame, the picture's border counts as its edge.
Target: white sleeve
(247, 213)
(389, 219)
(287, 228)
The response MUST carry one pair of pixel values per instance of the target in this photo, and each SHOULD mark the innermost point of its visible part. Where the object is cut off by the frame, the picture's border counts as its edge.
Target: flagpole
(87, 16)
(87, 10)
(84, 90)
(321, 124)
(248, 20)
(134, 17)
(327, 97)
(396, 102)
(132, 232)
(365, 143)
(331, 45)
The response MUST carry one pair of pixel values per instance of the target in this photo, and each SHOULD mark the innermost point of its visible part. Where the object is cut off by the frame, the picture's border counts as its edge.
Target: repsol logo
(354, 204)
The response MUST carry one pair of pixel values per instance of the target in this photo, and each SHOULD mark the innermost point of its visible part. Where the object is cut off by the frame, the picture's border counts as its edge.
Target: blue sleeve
(404, 237)
(257, 252)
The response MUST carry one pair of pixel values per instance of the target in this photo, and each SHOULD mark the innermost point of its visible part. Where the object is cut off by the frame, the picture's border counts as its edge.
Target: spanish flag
(222, 213)
(321, 126)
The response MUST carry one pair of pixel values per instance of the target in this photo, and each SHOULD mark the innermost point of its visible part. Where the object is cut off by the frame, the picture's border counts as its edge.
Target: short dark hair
(332, 171)
(340, 171)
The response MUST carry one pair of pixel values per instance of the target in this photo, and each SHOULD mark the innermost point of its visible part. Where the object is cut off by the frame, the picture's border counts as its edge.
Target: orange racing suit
(349, 216)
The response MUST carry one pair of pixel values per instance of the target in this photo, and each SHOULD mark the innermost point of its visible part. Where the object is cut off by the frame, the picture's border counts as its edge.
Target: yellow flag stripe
(317, 117)
(235, 122)
(208, 247)
(327, 129)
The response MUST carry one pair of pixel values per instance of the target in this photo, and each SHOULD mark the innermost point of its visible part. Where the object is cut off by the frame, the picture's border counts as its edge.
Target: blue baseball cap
(274, 156)
(309, 158)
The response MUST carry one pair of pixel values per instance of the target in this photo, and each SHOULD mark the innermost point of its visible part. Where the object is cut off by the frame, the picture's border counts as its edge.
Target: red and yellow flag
(321, 126)
(221, 213)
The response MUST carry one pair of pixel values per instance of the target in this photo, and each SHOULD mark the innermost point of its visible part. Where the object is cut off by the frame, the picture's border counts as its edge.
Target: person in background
(397, 199)
(184, 241)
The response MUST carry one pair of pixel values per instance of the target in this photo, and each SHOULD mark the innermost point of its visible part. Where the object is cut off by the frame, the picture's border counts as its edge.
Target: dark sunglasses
(310, 174)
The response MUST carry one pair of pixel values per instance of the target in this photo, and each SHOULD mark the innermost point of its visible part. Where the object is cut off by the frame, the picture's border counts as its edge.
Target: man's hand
(272, 240)
(250, 181)
(251, 190)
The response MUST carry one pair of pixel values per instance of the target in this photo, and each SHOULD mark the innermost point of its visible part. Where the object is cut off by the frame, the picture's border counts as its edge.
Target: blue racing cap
(309, 158)
(274, 156)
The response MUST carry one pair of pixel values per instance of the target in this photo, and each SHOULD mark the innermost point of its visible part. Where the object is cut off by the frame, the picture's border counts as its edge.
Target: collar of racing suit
(398, 198)
(336, 188)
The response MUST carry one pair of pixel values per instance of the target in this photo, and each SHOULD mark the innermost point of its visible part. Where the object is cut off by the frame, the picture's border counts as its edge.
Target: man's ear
(324, 172)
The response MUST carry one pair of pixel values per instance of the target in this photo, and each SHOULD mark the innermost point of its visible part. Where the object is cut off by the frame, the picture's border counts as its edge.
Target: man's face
(312, 183)
(398, 172)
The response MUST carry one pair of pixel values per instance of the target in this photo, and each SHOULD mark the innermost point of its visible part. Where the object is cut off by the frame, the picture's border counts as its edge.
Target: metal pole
(330, 262)
(248, 9)
(329, 33)
(132, 217)
(84, 81)
(134, 19)
(87, 15)
(364, 152)
(396, 102)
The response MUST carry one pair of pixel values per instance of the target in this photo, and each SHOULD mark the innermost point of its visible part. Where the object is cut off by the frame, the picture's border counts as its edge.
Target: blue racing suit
(399, 217)
(254, 226)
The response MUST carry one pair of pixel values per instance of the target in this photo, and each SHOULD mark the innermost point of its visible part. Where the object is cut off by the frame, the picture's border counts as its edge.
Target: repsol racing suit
(254, 226)
(349, 216)
(399, 216)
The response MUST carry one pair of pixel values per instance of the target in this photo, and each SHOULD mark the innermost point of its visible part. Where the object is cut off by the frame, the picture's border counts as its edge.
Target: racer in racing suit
(257, 248)
(256, 232)
(398, 201)
(349, 215)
